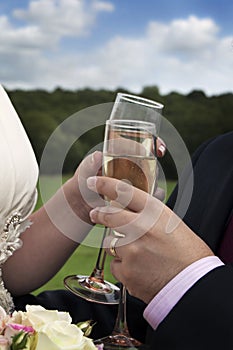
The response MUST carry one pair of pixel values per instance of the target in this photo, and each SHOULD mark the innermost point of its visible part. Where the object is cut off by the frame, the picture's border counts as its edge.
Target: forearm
(55, 233)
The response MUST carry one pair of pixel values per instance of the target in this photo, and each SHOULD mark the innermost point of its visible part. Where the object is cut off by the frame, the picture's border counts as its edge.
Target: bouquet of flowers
(41, 329)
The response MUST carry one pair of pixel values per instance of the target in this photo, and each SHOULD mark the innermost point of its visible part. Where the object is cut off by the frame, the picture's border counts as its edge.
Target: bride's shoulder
(19, 169)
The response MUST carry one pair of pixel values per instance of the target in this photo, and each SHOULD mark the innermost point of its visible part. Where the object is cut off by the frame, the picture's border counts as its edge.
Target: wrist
(173, 272)
(168, 297)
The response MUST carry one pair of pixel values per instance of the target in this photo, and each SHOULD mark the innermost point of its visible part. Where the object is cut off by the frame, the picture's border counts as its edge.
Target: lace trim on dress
(9, 242)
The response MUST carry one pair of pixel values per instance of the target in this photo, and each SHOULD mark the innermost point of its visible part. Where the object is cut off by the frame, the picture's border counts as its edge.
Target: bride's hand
(80, 198)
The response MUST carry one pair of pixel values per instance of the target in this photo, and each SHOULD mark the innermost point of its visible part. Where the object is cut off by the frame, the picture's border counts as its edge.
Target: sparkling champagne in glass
(129, 153)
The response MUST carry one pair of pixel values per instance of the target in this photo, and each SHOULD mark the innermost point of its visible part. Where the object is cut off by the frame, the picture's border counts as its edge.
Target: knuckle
(134, 250)
(107, 219)
(103, 186)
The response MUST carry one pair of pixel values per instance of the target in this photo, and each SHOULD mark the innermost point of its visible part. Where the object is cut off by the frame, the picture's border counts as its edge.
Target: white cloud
(45, 22)
(63, 17)
(103, 6)
(182, 55)
(184, 35)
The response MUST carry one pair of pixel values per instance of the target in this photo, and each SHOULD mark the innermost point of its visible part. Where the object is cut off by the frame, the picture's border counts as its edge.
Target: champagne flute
(94, 287)
(130, 155)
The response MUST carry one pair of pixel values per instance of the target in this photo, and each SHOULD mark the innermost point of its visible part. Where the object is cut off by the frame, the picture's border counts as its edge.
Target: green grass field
(83, 259)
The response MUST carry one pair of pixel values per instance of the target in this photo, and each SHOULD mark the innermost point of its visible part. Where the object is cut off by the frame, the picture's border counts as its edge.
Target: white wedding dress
(18, 179)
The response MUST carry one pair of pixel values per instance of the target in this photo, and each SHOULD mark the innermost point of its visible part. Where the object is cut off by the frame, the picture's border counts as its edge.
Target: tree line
(195, 116)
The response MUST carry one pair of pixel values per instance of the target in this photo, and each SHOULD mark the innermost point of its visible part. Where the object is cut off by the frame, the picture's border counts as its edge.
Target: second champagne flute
(130, 155)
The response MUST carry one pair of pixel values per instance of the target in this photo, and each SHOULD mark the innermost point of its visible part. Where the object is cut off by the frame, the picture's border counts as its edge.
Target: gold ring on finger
(112, 247)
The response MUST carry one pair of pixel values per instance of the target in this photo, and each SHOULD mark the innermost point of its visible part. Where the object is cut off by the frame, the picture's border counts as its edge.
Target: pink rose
(20, 327)
(13, 329)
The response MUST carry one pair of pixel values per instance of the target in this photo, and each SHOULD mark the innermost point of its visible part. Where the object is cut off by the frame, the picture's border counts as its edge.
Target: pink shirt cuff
(166, 299)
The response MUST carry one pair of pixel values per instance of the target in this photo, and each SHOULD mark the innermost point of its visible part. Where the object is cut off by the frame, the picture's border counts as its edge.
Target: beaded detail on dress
(9, 242)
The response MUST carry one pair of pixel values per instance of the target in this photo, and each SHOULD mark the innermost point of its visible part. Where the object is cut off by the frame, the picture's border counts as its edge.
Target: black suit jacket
(203, 318)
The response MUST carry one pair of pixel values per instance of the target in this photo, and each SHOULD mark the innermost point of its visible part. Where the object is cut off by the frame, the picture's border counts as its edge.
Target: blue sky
(177, 45)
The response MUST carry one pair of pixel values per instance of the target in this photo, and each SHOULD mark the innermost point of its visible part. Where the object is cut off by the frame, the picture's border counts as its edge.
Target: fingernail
(91, 182)
(93, 214)
(161, 150)
(96, 157)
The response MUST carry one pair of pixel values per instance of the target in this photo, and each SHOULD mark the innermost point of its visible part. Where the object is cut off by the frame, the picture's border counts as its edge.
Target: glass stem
(121, 323)
(98, 272)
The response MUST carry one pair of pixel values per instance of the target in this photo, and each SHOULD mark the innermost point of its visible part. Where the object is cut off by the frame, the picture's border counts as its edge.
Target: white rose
(37, 316)
(61, 335)
(55, 330)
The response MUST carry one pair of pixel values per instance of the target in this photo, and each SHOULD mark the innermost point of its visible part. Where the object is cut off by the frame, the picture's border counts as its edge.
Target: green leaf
(19, 341)
(86, 327)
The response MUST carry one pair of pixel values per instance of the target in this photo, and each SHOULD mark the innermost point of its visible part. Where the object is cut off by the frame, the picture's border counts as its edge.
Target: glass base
(118, 342)
(93, 289)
